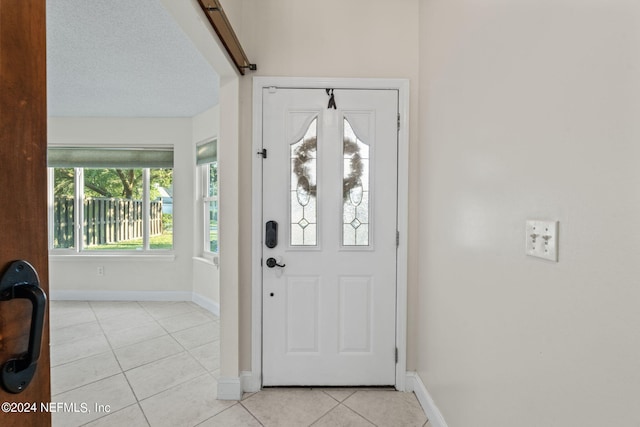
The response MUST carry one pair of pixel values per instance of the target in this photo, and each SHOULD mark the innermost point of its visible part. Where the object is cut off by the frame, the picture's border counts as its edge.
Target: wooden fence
(106, 220)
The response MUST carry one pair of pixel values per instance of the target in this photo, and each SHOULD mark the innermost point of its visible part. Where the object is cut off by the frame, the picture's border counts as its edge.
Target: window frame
(206, 199)
(79, 244)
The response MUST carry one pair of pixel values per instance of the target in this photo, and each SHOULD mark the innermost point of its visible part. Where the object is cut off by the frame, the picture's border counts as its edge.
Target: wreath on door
(305, 153)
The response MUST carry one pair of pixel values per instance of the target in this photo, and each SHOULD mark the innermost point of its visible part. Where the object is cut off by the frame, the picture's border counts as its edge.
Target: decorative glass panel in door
(355, 189)
(304, 188)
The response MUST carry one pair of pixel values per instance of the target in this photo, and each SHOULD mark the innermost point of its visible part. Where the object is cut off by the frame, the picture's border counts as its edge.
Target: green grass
(163, 241)
(213, 236)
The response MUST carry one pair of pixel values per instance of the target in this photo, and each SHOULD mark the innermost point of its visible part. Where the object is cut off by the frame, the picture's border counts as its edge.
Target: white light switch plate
(542, 239)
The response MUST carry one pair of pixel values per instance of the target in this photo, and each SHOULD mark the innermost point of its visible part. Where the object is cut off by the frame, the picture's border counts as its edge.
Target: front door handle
(21, 281)
(271, 262)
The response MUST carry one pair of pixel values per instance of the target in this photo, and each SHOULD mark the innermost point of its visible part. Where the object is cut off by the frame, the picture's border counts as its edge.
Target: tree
(121, 183)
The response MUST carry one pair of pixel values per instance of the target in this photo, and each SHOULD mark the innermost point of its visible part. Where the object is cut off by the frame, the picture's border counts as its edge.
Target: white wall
(529, 109)
(206, 277)
(130, 273)
(526, 110)
(155, 275)
(335, 38)
(190, 17)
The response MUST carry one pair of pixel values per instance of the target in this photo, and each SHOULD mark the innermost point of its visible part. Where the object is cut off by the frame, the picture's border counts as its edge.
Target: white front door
(329, 281)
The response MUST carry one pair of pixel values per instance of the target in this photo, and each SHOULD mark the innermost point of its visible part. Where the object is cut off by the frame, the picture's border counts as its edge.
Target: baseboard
(250, 383)
(203, 302)
(206, 303)
(229, 389)
(58, 295)
(414, 383)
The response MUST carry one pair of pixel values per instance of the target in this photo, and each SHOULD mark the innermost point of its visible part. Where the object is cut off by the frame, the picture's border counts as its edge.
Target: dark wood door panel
(23, 187)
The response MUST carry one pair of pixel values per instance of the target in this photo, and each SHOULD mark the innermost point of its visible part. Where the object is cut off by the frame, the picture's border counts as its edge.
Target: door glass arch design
(304, 188)
(355, 189)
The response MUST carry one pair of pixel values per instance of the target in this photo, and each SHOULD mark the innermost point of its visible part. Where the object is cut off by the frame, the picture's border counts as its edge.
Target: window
(211, 208)
(355, 189)
(64, 207)
(303, 188)
(206, 159)
(107, 199)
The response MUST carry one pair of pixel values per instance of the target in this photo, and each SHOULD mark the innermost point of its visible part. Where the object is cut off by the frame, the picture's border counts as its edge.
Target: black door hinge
(396, 354)
(262, 153)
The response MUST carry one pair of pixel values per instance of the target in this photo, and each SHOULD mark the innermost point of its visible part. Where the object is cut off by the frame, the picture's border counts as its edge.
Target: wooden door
(329, 284)
(23, 192)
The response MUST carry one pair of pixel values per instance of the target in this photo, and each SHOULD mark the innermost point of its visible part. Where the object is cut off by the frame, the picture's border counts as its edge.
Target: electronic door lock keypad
(271, 234)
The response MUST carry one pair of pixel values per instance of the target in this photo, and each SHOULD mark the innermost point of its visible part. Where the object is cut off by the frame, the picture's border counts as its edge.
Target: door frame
(254, 381)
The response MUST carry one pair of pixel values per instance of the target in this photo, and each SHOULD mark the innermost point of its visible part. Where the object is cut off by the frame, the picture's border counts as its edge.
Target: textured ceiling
(123, 58)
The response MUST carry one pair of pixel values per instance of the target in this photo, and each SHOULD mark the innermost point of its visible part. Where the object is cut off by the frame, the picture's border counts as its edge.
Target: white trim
(256, 233)
(50, 207)
(402, 86)
(206, 303)
(402, 260)
(207, 260)
(58, 255)
(146, 209)
(78, 205)
(62, 295)
(414, 383)
(250, 383)
(229, 389)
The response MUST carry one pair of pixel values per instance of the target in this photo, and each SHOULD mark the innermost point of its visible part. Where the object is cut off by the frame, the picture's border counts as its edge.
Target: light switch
(542, 239)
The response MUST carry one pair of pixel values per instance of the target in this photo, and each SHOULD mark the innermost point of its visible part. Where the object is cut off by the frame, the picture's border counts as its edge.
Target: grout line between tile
(133, 343)
(173, 386)
(225, 410)
(325, 414)
(143, 413)
(352, 393)
(118, 362)
(350, 408)
(84, 385)
(75, 324)
(197, 360)
(110, 413)
(149, 363)
(82, 358)
(188, 327)
(249, 411)
(123, 372)
(168, 303)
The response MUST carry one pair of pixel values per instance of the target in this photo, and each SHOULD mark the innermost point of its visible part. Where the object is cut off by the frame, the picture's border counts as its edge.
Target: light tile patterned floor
(156, 364)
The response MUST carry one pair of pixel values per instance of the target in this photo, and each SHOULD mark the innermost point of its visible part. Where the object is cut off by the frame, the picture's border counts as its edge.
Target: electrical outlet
(100, 271)
(542, 239)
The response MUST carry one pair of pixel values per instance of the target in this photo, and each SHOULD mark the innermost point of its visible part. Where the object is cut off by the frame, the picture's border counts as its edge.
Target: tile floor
(156, 364)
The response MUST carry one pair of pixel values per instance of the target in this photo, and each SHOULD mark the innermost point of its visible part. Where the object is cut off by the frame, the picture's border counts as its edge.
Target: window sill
(120, 256)
(209, 259)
